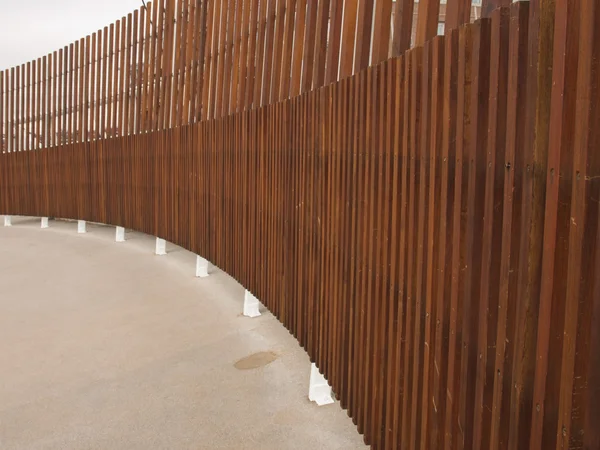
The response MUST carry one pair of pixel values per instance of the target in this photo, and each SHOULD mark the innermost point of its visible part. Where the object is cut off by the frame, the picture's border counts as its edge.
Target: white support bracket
(8, 221)
(319, 390)
(81, 227)
(251, 305)
(45, 223)
(120, 234)
(161, 247)
(201, 267)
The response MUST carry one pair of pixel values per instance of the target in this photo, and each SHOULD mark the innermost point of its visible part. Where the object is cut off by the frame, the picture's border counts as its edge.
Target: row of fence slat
(175, 62)
(428, 227)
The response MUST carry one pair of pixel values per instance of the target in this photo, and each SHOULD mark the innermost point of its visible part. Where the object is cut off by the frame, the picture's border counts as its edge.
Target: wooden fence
(175, 62)
(427, 227)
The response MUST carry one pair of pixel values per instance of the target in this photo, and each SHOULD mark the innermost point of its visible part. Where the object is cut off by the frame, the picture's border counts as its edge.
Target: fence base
(251, 305)
(319, 390)
(201, 267)
(120, 234)
(161, 247)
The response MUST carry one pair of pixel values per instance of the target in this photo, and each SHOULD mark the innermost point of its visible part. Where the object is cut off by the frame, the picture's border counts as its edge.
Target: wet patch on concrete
(256, 360)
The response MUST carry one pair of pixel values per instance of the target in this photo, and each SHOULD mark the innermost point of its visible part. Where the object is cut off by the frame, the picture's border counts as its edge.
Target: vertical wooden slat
(157, 32)
(458, 12)
(268, 55)
(92, 89)
(81, 96)
(38, 106)
(491, 242)
(288, 41)
(208, 57)
(488, 6)
(455, 345)
(298, 50)
(75, 127)
(509, 261)
(111, 83)
(44, 102)
(189, 64)
(584, 426)
(412, 144)
(364, 30)
(475, 187)
(552, 307)
(441, 292)
(403, 18)
(309, 47)
(70, 91)
(134, 73)
(167, 65)
(98, 90)
(103, 87)
(11, 111)
(211, 99)
(241, 72)
(526, 419)
(578, 322)
(232, 9)
(333, 46)
(260, 53)
(28, 99)
(432, 162)
(427, 20)
(347, 42)
(86, 89)
(18, 122)
(58, 100)
(280, 17)
(381, 29)
(179, 38)
(149, 76)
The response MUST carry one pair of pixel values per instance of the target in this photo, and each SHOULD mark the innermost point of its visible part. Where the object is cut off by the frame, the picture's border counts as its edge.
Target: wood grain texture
(427, 226)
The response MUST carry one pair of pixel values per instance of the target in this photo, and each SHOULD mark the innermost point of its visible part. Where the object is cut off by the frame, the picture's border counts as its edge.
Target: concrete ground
(106, 346)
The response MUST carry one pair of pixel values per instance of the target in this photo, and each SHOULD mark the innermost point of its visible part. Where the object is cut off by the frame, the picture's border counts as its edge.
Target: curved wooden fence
(427, 226)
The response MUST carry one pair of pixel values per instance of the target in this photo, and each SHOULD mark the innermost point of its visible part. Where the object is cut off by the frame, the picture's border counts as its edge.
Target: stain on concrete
(256, 360)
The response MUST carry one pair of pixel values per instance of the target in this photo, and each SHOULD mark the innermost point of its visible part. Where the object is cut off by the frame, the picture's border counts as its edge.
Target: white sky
(30, 29)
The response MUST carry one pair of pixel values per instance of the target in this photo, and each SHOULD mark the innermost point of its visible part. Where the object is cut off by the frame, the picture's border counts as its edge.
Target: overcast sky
(33, 28)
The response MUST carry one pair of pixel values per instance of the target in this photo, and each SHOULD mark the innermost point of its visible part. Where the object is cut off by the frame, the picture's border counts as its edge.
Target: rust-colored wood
(288, 40)
(298, 51)
(432, 162)
(348, 42)
(458, 12)
(98, 89)
(309, 47)
(427, 20)
(268, 52)
(133, 75)
(491, 244)
(238, 39)
(526, 421)
(334, 43)
(427, 227)
(403, 19)
(104, 117)
(381, 30)
(509, 262)
(363, 35)
(86, 87)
